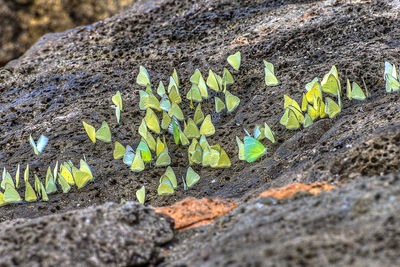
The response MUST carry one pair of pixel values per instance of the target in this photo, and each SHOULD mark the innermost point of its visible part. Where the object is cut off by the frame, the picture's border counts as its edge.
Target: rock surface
(23, 22)
(354, 225)
(109, 234)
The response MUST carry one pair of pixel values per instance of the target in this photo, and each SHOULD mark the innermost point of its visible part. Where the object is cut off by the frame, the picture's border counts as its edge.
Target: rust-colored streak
(292, 189)
(192, 212)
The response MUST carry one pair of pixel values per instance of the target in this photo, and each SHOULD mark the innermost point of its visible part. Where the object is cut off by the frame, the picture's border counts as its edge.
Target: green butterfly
(234, 60)
(141, 195)
(191, 177)
(102, 134)
(253, 149)
(145, 151)
(143, 78)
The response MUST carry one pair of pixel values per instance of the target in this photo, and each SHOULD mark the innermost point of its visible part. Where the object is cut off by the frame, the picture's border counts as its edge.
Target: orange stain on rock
(192, 212)
(292, 189)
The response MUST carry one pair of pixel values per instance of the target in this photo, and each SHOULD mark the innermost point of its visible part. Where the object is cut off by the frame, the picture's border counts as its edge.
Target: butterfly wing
(232, 101)
(191, 177)
(253, 149)
(141, 195)
(207, 128)
(104, 133)
(165, 188)
(241, 148)
(235, 60)
(41, 143)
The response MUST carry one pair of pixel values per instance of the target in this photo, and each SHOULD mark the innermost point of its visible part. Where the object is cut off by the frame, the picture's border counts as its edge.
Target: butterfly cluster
(66, 176)
(164, 115)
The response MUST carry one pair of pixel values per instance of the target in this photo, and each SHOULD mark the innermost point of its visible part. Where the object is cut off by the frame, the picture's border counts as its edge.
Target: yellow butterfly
(50, 183)
(165, 188)
(191, 130)
(331, 85)
(288, 101)
(219, 105)
(11, 195)
(207, 128)
(151, 120)
(212, 81)
(232, 101)
(161, 89)
(203, 142)
(102, 134)
(17, 177)
(195, 78)
(223, 158)
(148, 100)
(195, 152)
(293, 122)
(66, 173)
(312, 112)
(143, 78)
(160, 146)
(137, 164)
(6, 179)
(163, 159)
(258, 132)
(270, 79)
(331, 108)
(269, 133)
(174, 95)
(191, 177)
(313, 84)
(170, 175)
(166, 121)
(241, 148)
(176, 112)
(227, 78)
(64, 184)
(119, 150)
(198, 115)
(175, 77)
(304, 103)
(308, 121)
(182, 137)
(194, 94)
(234, 60)
(203, 88)
(146, 135)
(30, 195)
(117, 99)
(141, 195)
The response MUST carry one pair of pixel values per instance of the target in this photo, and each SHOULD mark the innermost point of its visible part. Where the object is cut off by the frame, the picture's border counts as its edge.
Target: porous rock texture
(71, 76)
(357, 224)
(23, 22)
(109, 234)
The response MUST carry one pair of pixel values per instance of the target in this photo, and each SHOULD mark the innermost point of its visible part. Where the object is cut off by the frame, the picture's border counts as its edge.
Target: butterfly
(191, 177)
(163, 159)
(41, 143)
(191, 130)
(269, 134)
(331, 108)
(227, 78)
(253, 149)
(223, 158)
(17, 177)
(151, 120)
(119, 150)
(138, 162)
(219, 104)
(166, 121)
(232, 101)
(141, 195)
(207, 128)
(214, 81)
(195, 78)
(50, 183)
(11, 195)
(146, 135)
(307, 121)
(354, 91)
(195, 152)
(330, 83)
(160, 145)
(198, 115)
(165, 104)
(270, 78)
(129, 155)
(194, 94)
(176, 112)
(174, 94)
(65, 186)
(161, 89)
(392, 84)
(143, 78)
(234, 60)
(102, 134)
(170, 176)
(148, 100)
(117, 100)
(145, 151)
(258, 132)
(203, 88)
(175, 130)
(313, 84)
(241, 149)
(6, 179)
(165, 188)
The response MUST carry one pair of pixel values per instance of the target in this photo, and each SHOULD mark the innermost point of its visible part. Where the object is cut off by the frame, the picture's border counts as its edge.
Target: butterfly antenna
(244, 129)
